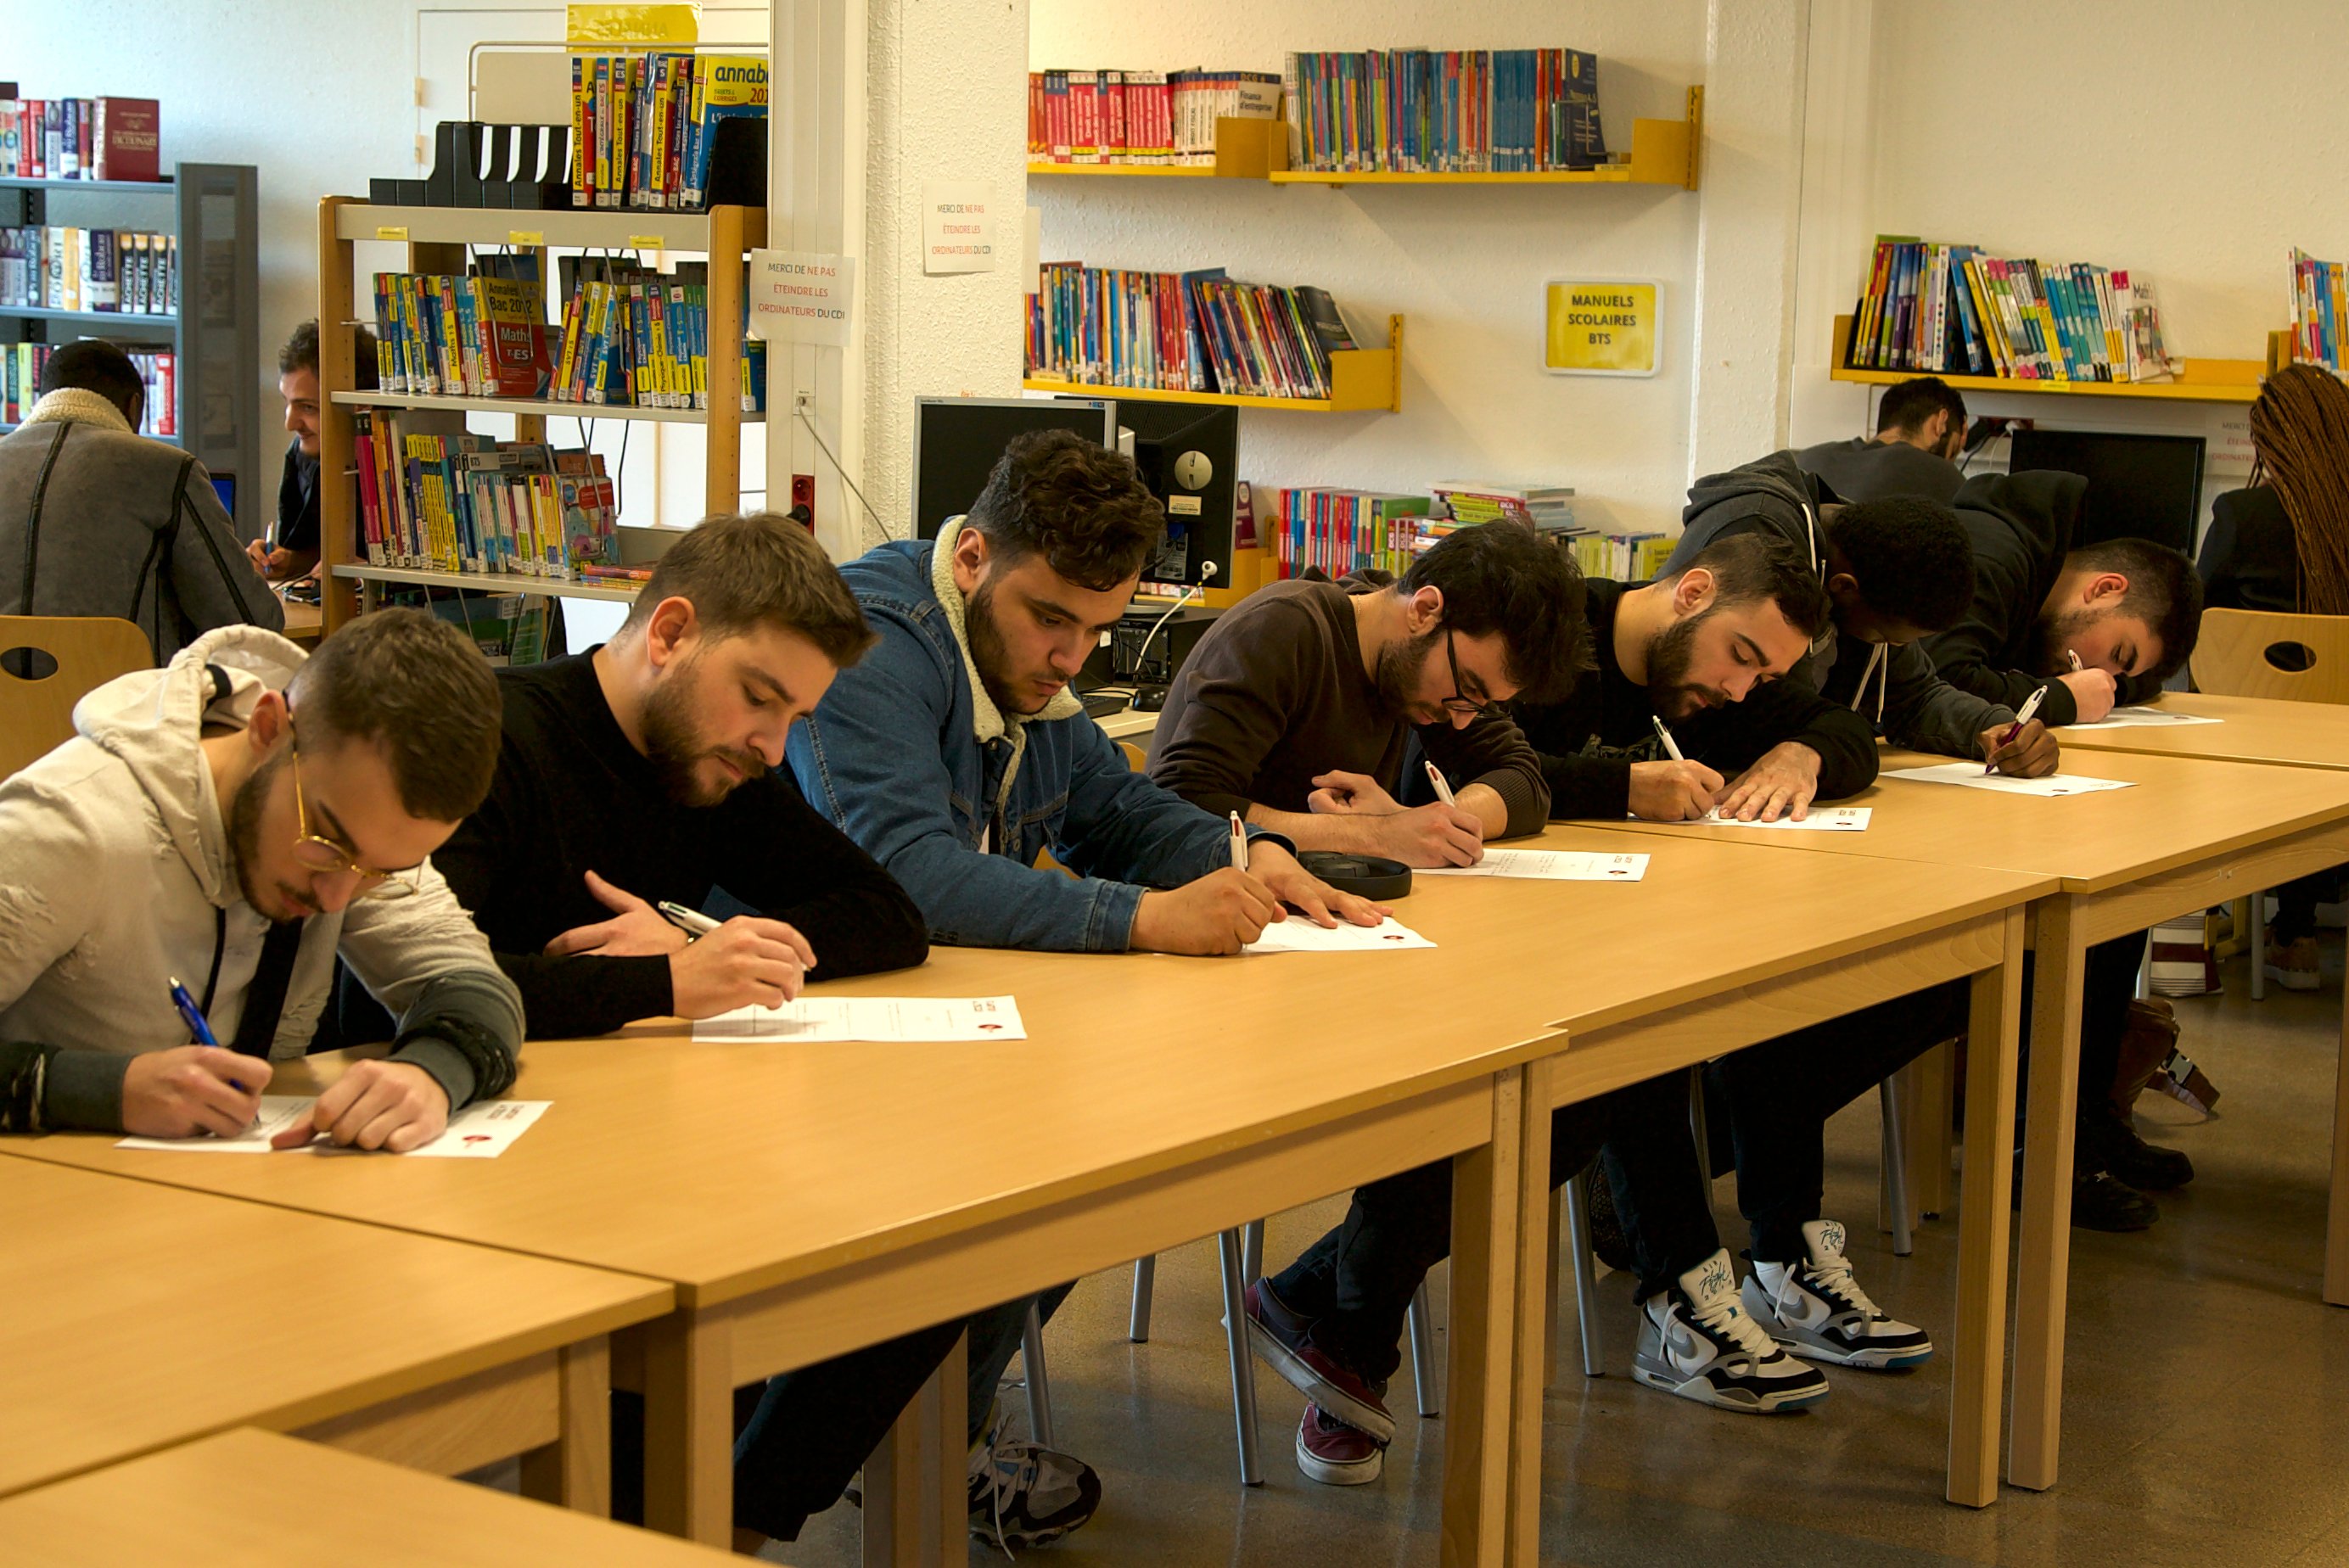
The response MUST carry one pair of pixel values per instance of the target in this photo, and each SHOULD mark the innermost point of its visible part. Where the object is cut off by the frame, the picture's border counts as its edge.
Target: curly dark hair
(1503, 577)
(1081, 506)
(2164, 590)
(1912, 557)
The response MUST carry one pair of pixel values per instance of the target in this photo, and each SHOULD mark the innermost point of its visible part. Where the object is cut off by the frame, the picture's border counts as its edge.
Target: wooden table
(303, 621)
(2252, 729)
(2193, 833)
(144, 1315)
(246, 1499)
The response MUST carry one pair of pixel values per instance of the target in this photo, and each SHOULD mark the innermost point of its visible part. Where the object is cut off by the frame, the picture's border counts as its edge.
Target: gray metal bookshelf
(214, 211)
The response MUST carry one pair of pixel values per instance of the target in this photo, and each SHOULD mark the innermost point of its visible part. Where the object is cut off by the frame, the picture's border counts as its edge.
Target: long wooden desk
(247, 1498)
(2251, 729)
(143, 1315)
(2193, 833)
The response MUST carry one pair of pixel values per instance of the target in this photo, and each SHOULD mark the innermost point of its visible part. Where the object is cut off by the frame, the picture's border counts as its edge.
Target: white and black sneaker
(1697, 1342)
(1815, 1309)
(1023, 1495)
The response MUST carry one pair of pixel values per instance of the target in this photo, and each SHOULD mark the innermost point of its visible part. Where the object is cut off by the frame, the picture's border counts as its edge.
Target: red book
(127, 141)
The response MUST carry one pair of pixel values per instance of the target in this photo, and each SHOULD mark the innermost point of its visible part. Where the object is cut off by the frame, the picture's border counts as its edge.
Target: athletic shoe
(2103, 1201)
(1815, 1309)
(1285, 1340)
(1697, 1342)
(2293, 964)
(2109, 1142)
(1335, 1454)
(1022, 1494)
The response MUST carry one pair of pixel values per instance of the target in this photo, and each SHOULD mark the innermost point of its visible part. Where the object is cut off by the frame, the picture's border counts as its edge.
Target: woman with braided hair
(2282, 543)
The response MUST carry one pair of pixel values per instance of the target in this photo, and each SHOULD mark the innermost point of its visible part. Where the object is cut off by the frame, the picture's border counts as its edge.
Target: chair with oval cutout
(48, 664)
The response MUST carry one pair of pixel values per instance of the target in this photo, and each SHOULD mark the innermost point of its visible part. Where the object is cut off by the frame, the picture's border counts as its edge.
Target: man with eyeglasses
(1307, 707)
(232, 823)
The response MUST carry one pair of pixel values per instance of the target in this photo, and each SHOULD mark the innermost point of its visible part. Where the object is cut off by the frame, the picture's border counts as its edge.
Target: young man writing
(238, 820)
(295, 537)
(1296, 707)
(1921, 428)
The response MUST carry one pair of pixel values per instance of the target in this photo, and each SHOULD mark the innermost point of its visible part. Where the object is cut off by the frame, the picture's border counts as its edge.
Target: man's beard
(990, 656)
(1399, 669)
(673, 744)
(2053, 636)
(1670, 654)
(244, 836)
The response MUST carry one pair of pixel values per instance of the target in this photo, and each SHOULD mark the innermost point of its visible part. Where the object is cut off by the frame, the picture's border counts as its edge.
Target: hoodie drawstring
(1881, 666)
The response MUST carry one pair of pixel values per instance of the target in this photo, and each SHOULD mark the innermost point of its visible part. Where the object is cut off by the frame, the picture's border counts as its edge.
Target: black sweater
(2251, 557)
(571, 796)
(1590, 741)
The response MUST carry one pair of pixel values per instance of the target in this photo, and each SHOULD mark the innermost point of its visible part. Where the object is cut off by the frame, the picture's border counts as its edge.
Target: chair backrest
(78, 652)
(2236, 653)
(1133, 756)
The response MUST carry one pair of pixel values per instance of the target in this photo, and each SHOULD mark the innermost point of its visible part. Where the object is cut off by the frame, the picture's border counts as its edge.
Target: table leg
(2043, 1261)
(915, 1494)
(1536, 1312)
(1992, 1041)
(689, 1426)
(1485, 1196)
(2336, 1222)
(1929, 1151)
(575, 1471)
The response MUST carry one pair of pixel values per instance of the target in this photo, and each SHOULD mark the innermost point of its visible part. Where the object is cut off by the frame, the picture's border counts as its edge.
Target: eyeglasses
(1459, 701)
(321, 854)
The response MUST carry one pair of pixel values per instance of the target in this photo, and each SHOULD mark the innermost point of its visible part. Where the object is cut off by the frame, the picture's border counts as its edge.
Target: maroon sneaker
(1286, 1343)
(1335, 1454)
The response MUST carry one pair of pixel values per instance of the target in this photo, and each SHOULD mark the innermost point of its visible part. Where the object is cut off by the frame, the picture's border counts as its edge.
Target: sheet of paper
(2132, 718)
(483, 1130)
(1550, 865)
(1297, 934)
(812, 1018)
(1821, 819)
(1971, 775)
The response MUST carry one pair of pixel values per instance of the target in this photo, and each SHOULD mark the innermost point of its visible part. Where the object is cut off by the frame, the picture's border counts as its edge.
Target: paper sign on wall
(957, 226)
(1602, 328)
(802, 297)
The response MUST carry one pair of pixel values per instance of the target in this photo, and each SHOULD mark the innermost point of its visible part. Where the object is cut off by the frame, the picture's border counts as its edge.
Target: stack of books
(1186, 332)
(1339, 531)
(1621, 557)
(1939, 309)
(80, 139)
(1443, 111)
(61, 267)
(643, 125)
(159, 372)
(2320, 311)
(431, 499)
(631, 336)
(1465, 502)
(1140, 117)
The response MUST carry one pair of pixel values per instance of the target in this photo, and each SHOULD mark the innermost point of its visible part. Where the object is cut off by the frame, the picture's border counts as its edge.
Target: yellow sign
(391, 231)
(609, 27)
(1603, 328)
(526, 239)
(645, 243)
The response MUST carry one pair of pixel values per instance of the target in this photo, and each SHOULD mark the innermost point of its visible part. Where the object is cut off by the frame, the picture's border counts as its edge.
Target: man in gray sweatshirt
(235, 821)
(96, 520)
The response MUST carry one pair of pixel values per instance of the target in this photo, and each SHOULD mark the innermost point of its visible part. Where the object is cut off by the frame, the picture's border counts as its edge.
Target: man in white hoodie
(233, 821)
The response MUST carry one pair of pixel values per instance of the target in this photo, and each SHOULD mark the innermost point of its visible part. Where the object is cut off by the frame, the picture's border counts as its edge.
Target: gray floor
(2205, 1421)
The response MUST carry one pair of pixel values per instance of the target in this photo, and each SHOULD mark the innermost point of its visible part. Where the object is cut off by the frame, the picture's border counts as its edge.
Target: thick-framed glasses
(1459, 701)
(321, 854)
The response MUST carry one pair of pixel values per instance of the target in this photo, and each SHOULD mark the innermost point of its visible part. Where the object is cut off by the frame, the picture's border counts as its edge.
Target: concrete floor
(2206, 1418)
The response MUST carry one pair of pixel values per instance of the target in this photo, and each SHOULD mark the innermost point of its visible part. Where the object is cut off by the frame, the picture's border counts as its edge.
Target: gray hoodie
(116, 875)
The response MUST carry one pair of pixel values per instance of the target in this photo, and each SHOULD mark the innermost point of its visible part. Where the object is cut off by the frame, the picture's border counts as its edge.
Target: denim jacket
(908, 756)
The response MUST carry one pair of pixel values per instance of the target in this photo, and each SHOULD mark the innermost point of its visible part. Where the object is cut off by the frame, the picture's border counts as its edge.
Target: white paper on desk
(1822, 820)
(894, 1018)
(1298, 934)
(1550, 865)
(1971, 775)
(2128, 718)
(483, 1130)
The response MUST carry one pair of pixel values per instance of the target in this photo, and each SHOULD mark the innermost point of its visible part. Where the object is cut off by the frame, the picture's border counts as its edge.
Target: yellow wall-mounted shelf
(1664, 152)
(1362, 381)
(1245, 149)
(2204, 381)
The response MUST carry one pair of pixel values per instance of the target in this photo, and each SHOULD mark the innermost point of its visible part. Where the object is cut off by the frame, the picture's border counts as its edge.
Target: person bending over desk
(1296, 708)
(291, 548)
(238, 818)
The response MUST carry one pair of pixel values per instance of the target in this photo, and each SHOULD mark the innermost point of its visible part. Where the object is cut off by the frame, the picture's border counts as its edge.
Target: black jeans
(2296, 904)
(1356, 1282)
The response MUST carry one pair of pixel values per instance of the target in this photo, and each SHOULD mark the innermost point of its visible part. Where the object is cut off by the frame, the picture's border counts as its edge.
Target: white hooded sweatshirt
(116, 875)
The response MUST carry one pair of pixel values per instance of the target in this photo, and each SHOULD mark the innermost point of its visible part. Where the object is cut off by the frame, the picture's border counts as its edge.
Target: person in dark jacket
(1920, 428)
(292, 549)
(2110, 621)
(1896, 571)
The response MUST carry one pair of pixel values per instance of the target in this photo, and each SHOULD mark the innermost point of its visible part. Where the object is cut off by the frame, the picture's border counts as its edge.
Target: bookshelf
(1664, 152)
(1362, 381)
(436, 239)
(1245, 149)
(214, 211)
(2204, 381)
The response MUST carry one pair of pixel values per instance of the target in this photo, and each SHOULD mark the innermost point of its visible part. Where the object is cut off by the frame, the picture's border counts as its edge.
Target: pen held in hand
(2030, 708)
(198, 1029)
(1443, 786)
(692, 921)
(1239, 845)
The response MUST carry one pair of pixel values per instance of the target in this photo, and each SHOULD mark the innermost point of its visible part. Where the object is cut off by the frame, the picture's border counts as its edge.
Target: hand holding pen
(191, 1089)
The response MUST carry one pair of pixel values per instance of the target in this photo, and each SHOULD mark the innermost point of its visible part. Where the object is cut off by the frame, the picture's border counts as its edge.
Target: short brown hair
(747, 569)
(301, 353)
(1076, 503)
(414, 685)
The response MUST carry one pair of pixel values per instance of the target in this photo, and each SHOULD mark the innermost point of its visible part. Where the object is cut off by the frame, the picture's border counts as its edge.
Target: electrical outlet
(804, 494)
(803, 401)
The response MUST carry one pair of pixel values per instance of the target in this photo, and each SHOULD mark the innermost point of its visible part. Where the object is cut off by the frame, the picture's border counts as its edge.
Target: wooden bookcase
(436, 239)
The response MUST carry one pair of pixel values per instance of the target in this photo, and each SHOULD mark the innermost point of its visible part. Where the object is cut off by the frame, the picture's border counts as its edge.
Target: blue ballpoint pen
(192, 1015)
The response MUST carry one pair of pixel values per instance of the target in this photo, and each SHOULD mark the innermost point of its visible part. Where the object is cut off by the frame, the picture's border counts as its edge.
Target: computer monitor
(2139, 487)
(958, 441)
(1188, 455)
(224, 487)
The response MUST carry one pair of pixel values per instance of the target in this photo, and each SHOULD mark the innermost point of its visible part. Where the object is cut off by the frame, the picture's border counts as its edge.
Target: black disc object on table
(1373, 877)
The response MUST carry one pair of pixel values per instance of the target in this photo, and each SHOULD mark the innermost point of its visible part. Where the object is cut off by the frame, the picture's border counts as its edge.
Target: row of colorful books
(159, 372)
(2319, 311)
(80, 138)
(643, 125)
(1443, 111)
(1335, 531)
(634, 336)
(470, 336)
(61, 267)
(1958, 310)
(435, 497)
(1186, 332)
(1140, 117)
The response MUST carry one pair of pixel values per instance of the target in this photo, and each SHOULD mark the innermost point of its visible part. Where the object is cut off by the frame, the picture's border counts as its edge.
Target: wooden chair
(86, 650)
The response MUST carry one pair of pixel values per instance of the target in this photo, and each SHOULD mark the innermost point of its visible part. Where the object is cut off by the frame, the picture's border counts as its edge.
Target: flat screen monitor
(957, 440)
(2139, 487)
(1188, 455)
(224, 487)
